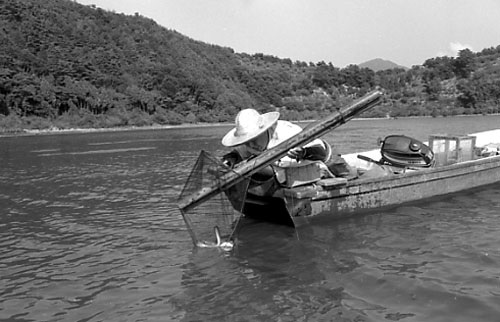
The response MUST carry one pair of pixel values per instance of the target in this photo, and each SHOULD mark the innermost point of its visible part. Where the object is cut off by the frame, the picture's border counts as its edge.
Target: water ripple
(87, 236)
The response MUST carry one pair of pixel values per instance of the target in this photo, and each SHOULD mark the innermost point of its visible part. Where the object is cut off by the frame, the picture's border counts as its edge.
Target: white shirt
(283, 130)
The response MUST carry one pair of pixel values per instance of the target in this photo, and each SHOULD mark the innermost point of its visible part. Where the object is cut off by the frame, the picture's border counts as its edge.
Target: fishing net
(220, 212)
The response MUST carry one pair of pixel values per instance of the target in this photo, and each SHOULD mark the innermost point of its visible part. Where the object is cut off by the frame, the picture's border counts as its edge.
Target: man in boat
(254, 133)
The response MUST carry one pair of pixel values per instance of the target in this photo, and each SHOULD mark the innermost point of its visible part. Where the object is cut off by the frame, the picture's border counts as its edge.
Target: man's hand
(231, 159)
(297, 153)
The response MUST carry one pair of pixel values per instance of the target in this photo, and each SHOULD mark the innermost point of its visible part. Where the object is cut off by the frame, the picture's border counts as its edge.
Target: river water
(89, 231)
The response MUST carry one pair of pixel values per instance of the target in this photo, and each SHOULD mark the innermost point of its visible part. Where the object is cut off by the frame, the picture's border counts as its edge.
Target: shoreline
(56, 131)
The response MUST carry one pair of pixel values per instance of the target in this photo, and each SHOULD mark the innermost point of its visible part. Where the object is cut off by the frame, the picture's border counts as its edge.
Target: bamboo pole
(247, 168)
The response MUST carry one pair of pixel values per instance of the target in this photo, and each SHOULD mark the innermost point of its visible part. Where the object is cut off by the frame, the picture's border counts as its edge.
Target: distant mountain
(380, 64)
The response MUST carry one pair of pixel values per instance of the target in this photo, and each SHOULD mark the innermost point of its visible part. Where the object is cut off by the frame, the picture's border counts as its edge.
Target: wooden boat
(456, 166)
(459, 165)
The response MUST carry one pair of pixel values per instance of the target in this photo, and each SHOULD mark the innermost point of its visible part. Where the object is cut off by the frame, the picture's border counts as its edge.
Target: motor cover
(404, 151)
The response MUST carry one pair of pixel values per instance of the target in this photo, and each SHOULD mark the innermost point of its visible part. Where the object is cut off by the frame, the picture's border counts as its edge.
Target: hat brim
(268, 119)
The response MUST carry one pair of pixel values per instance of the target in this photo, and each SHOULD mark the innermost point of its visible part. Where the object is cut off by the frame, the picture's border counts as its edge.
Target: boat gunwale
(394, 181)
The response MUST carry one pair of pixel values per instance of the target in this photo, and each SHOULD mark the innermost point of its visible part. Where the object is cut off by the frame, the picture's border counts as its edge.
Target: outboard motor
(403, 151)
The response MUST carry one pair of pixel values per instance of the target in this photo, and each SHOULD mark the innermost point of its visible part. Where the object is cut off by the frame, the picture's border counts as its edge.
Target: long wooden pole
(247, 168)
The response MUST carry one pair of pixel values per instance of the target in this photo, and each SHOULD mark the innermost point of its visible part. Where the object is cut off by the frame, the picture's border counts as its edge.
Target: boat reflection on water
(380, 266)
(273, 272)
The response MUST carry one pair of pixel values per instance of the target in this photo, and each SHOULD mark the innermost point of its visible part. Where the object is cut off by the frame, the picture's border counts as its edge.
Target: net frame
(219, 214)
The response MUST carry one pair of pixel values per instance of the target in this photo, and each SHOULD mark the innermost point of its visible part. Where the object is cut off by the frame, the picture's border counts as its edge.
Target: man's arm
(317, 150)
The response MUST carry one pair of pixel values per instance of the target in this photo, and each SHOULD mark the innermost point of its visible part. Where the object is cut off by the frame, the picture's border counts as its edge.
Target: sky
(341, 32)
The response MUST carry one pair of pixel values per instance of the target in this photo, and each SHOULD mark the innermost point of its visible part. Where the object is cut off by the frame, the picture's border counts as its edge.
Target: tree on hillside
(464, 63)
(440, 67)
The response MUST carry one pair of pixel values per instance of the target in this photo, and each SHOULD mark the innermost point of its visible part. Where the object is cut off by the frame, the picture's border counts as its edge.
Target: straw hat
(249, 125)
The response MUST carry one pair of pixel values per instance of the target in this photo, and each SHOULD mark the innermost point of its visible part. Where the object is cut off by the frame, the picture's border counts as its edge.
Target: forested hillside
(66, 65)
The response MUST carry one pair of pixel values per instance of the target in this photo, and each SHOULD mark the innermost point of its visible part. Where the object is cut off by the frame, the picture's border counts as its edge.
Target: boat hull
(307, 203)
